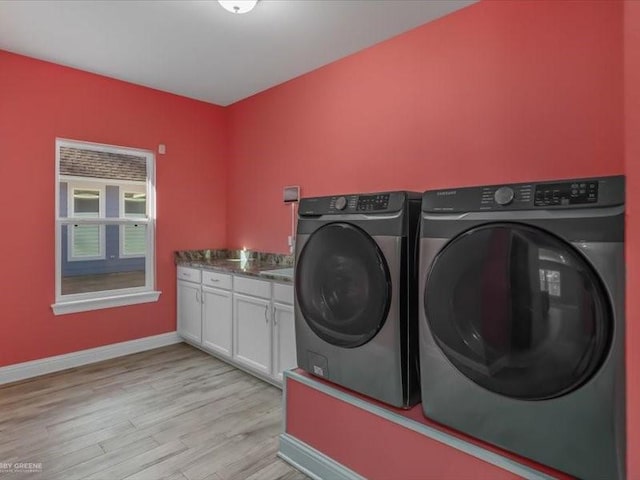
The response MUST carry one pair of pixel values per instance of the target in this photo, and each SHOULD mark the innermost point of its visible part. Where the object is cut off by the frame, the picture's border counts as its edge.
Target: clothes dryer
(522, 319)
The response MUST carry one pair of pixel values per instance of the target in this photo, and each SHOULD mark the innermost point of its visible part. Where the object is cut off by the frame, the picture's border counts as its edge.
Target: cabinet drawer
(189, 274)
(283, 293)
(215, 279)
(249, 286)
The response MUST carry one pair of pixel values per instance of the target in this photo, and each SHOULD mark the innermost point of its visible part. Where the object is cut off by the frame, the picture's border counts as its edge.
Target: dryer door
(343, 286)
(518, 311)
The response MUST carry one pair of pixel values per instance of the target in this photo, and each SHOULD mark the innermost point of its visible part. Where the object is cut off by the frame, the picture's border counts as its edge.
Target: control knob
(504, 196)
(341, 202)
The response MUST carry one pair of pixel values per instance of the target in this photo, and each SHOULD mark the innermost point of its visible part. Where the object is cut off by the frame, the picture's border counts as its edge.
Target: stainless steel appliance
(522, 319)
(356, 293)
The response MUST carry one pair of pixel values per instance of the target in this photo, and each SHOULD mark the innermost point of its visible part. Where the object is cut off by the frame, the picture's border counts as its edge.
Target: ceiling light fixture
(238, 6)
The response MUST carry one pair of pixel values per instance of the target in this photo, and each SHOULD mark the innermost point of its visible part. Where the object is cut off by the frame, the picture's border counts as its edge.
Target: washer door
(342, 285)
(518, 311)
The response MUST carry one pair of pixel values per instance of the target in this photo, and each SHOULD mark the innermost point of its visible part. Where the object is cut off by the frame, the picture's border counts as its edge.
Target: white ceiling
(199, 50)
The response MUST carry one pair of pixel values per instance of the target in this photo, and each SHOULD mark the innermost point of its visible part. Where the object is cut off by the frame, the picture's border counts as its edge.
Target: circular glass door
(518, 311)
(342, 285)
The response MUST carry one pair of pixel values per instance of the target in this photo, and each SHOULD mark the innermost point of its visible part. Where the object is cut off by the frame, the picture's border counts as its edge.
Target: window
(85, 242)
(105, 226)
(133, 237)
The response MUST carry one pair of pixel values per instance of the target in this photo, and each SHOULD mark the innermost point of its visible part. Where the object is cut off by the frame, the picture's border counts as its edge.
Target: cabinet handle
(275, 318)
(198, 296)
(266, 313)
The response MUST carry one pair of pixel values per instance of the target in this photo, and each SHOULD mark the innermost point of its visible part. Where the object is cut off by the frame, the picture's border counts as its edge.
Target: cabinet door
(284, 340)
(216, 320)
(189, 312)
(252, 332)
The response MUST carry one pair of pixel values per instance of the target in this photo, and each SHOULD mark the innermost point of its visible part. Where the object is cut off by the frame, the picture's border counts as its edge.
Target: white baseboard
(311, 462)
(42, 366)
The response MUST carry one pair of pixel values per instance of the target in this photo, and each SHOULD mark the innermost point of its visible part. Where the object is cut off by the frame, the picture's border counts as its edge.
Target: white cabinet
(189, 274)
(204, 312)
(216, 320)
(252, 332)
(217, 280)
(189, 311)
(284, 339)
(246, 321)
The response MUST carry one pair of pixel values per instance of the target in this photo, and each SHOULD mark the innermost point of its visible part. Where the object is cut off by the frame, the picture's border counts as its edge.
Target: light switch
(162, 149)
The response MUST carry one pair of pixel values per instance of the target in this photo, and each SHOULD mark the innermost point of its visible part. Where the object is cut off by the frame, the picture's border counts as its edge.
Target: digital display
(573, 193)
(373, 202)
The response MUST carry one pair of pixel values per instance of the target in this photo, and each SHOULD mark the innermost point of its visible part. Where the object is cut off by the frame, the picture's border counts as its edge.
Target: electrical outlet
(291, 194)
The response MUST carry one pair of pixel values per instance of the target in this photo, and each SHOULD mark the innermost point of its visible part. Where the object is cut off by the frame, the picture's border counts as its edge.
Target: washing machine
(522, 319)
(356, 293)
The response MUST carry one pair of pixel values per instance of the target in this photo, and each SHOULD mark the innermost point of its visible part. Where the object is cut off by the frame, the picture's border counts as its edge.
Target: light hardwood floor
(171, 413)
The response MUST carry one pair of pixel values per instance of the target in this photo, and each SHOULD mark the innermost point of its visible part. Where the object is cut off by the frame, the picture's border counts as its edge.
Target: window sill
(75, 306)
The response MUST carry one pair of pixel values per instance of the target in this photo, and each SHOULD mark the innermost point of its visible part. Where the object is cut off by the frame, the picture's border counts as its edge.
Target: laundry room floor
(170, 413)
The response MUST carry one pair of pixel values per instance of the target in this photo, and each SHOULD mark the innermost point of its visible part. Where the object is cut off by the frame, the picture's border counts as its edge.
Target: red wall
(497, 92)
(40, 101)
(632, 156)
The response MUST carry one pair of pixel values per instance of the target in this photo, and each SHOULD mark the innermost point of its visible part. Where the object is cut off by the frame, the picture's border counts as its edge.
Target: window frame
(80, 302)
(123, 190)
(72, 186)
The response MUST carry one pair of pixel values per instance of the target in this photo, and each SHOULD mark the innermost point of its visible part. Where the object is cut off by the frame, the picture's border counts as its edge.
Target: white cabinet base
(224, 358)
(284, 340)
(252, 332)
(246, 322)
(189, 322)
(217, 306)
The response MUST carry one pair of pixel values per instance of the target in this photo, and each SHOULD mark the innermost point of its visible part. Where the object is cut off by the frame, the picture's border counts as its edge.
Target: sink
(279, 272)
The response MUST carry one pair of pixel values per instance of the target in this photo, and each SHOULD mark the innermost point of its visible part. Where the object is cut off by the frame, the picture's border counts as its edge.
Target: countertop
(253, 264)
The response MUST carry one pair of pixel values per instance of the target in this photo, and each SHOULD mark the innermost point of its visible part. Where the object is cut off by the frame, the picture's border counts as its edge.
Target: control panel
(354, 204)
(604, 191)
(373, 202)
(568, 193)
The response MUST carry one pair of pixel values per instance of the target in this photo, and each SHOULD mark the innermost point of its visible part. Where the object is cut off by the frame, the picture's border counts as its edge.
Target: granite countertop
(272, 266)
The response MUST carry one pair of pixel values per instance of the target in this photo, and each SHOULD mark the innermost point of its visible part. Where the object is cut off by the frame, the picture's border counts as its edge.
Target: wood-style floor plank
(173, 413)
(277, 470)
